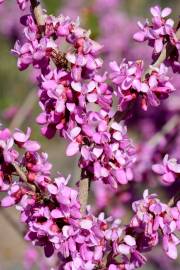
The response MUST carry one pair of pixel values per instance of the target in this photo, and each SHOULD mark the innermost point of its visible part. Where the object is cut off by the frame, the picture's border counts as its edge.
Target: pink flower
(131, 84)
(152, 215)
(23, 141)
(111, 154)
(158, 31)
(169, 170)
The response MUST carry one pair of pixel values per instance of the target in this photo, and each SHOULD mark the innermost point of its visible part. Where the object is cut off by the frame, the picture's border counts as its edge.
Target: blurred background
(112, 23)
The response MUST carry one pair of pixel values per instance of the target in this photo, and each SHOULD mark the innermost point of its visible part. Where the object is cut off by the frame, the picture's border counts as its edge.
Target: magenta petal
(113, 267)
(75, 132)
(60, 106)
(72, 149)
(170, 248)
(49, 250)
(158, 168)
(85, 153)
(127, 83)
(49, 85)
(7, 201)
(70, 106)
(155, 11)
(97, 169)
(166, 12)
(92, 97)
(22, 137)
(56, 213)
(139, 36)
(174, 166)
(41, 118)
(129, 240)
(169, 178)
(52, 189)
(76, 86)
(121, 176)
(158, 45)
(31, 146)
(114, 66)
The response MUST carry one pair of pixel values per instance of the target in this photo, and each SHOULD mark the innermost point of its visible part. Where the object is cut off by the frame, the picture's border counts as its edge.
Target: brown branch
(122, 115)
(83, 193)
(168, 127)
(57, 56)
(4, 212)
(20, 172)
(23, 177)
(166, 52)
(173, 201)
(38, 12)
(24, 110)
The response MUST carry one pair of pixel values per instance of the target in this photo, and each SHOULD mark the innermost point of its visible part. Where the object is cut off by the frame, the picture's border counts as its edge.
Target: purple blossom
(111, 155)
(151, 216)
(169, 170)
(159, 31)
(131, 84)
(76, 102)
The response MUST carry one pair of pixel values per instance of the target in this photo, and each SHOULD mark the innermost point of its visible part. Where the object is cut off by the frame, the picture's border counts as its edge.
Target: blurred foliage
(141, 7)
(52, 5)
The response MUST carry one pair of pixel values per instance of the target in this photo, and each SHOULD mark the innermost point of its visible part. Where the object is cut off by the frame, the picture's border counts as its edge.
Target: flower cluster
(169, 170)
(111, 156)
(152, 216)
(33, 49)
(35, 164)
(51, 211)
(66, 89)
(65, 102)
(76, 100)
(158, 32)
(131, 84)
(67, 94)
(81, 55)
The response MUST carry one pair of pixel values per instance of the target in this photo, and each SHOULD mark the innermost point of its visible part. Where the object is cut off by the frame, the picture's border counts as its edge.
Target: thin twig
(120, 116)
(168, 127)
(4, 213)
(173, 201)
(38, 12)
(20, 172)
(23, 177)
(83, 193)
(166, 52)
